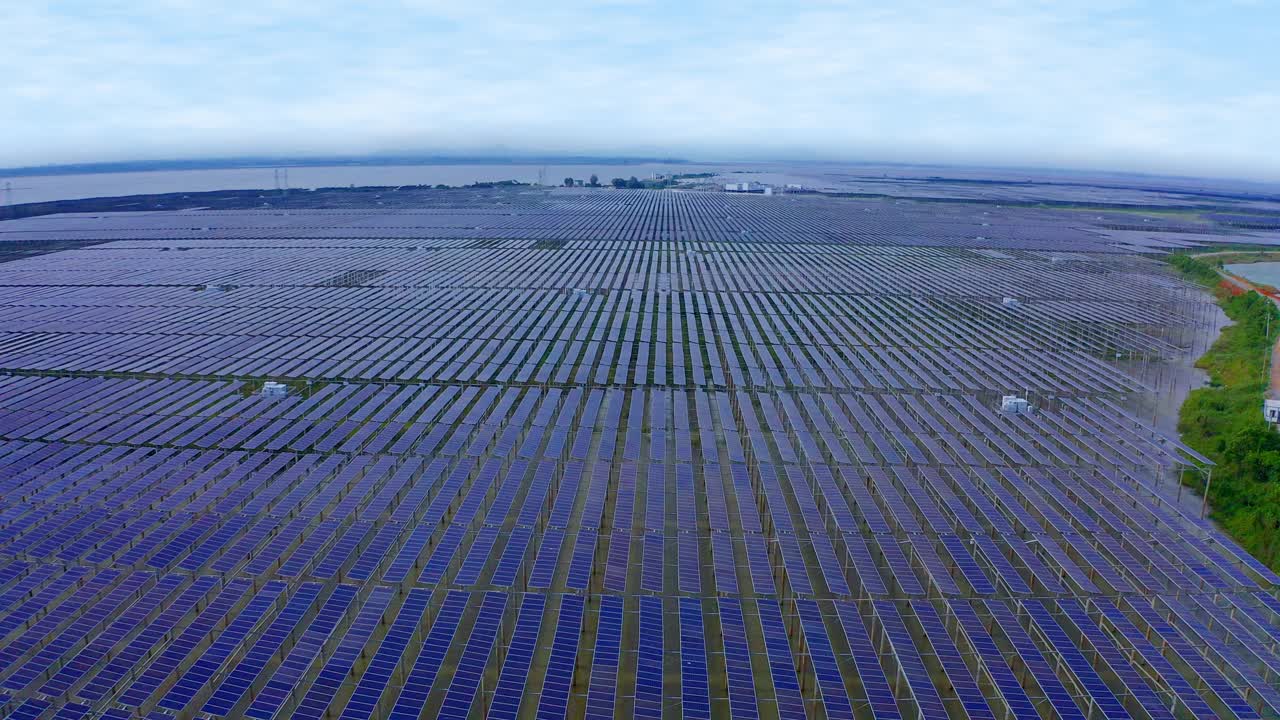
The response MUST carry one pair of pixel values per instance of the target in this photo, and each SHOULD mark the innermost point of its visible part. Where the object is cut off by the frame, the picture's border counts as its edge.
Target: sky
(1164, 86)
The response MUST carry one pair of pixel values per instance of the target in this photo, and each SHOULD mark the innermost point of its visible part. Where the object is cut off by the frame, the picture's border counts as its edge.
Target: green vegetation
(1224, 421)
(669, 181)
(1196, 270)
(1226, 257)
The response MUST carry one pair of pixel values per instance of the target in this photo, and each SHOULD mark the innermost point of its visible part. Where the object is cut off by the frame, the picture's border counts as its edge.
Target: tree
(595, 180)
(634, 183)
(619, 183)
(568, 182)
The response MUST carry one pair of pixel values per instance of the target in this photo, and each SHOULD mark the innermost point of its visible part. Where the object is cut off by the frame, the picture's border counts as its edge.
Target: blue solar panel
(695, 699)
(880, 698)
(957, 674)
(649, 660)
(471, 665)
(160, 668)
(1168, 636)
(553, 702)
(782, 666)
(232, 687)
(914, 672)
(330, 678)
(193, 680)
(36, 632)
(515, 669)
(364, 699)
(1076, 661)
(650, 354)
(603, 682)
(737, 659)
(281, 685)
(131, 619)
(1134, 638)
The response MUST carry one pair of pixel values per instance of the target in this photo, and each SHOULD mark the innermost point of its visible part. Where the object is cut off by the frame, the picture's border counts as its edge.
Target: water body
(42, 188)
(1263, 273)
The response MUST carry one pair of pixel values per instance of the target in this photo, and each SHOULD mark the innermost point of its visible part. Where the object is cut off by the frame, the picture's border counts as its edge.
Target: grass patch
(1240, 258)
(1198, 271)
(1224, 420)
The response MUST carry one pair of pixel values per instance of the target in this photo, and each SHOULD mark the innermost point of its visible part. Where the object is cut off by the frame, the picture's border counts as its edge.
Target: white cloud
(1159, 86)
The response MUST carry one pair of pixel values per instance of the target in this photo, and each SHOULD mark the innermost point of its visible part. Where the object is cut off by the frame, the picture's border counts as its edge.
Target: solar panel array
(612, 454)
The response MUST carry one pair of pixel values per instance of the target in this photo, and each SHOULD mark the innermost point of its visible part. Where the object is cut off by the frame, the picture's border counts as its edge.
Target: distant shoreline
(267, 163)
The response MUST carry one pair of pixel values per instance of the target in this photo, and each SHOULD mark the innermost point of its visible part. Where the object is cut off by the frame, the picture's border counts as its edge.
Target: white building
(1014, 405)
(271, 388)
(748, 187)
(1271, 410)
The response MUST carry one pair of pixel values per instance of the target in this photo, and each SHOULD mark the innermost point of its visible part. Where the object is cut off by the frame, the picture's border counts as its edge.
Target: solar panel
(737, 660)
(1137, 641)
(128, 621)
(553, 702)
(910, 663)
(364, 701)
(964, 685)
(475, 655)
(198, 674)
(826, 667)
(333, 675)
(1101, 696)
(540, 392)
(602, 687)
(1011, 691)
(279, 686)
(649, 660)
(228, 692)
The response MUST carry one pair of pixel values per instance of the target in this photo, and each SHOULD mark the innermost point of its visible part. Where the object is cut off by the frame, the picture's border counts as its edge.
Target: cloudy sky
(1178, 86)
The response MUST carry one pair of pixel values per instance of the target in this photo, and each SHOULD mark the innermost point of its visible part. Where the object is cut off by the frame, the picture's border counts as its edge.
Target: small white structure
(748, 187)
(1011, 303)
(1015, 405)
(271, 388)
(1271, 410)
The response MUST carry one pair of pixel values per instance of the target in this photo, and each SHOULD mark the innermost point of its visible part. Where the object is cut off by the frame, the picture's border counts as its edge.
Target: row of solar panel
(581, 362)
(830, 428)
(176, 476)
(180, 468)
(771, 318)
(308, 652)
(275, 325)
(1152, 549)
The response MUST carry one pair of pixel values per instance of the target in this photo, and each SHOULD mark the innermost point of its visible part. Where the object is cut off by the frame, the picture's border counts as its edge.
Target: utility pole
(1204, 501)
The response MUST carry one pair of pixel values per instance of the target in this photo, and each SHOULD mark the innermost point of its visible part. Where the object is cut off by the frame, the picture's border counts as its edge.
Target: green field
(1224, 420)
